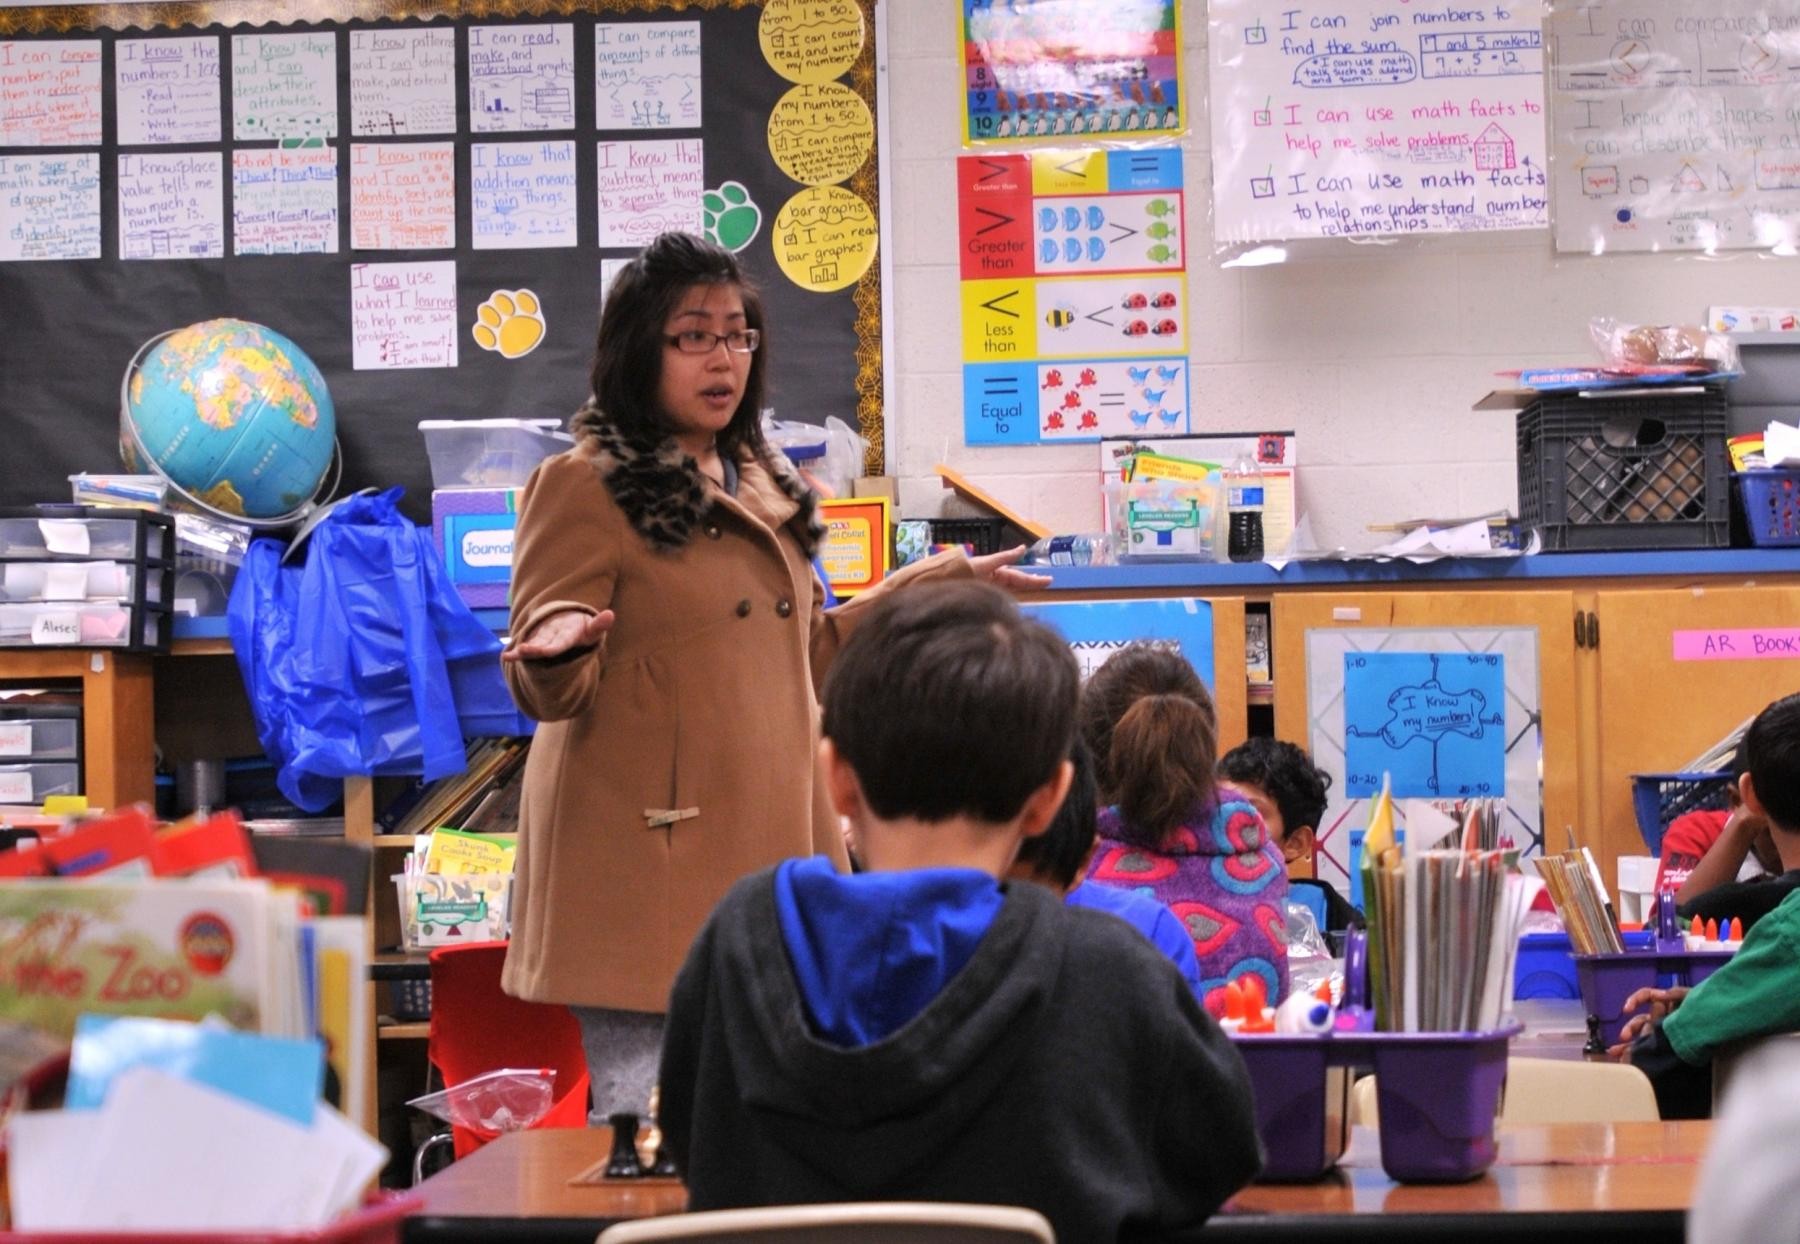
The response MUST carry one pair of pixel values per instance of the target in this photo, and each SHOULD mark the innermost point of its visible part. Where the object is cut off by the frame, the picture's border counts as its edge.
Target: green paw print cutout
(729, 217)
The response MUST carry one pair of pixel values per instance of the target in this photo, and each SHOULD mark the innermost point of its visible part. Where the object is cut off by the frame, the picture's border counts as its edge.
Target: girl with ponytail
(1169, 828)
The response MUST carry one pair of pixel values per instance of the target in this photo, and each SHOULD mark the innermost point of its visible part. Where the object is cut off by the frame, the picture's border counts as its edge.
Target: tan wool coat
(681, 754)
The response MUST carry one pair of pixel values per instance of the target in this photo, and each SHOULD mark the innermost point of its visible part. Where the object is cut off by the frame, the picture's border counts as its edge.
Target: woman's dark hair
(628, 354)
(1149, 722)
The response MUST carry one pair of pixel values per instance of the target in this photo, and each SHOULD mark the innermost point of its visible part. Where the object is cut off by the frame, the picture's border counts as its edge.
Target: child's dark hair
(1771, 755)
(628, 355)
(947, 701)
(1285, 773)
(1148, 719)
(1058, 853)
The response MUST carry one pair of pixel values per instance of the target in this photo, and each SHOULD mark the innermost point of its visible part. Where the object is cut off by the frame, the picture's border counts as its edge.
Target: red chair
(477, 1027)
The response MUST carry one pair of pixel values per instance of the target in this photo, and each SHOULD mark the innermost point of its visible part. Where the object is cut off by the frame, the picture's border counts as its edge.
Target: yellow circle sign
(821, 134)
(810, 41)
(825, 238)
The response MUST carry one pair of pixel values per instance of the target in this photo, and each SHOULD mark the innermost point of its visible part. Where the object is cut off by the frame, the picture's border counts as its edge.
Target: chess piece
(1594, 1044)
(662, 1166)
(624, 1163)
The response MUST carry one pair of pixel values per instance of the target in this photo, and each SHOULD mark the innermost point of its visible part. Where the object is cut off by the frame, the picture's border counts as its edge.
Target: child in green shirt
(1758, 992)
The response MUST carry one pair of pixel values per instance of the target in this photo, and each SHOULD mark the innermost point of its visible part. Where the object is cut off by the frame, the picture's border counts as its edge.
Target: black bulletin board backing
(69, 328)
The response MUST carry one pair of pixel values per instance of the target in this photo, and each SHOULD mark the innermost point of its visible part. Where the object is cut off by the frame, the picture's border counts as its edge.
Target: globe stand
(328, 483)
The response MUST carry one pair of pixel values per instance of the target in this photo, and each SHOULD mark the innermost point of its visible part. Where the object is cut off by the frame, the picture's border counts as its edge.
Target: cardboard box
(473, 530)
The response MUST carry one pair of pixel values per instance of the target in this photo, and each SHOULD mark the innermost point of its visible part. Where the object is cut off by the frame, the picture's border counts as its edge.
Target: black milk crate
(981, 535)
(1648, 471)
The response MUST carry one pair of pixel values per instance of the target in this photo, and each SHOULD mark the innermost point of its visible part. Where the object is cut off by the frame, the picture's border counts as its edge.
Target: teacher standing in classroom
(669, 632)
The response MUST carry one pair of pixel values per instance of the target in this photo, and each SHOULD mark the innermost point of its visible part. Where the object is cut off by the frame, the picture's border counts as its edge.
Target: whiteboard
(1376, 118)
(1676, 126)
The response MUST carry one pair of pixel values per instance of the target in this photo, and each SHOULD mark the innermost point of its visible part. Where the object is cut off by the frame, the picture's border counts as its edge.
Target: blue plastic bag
(360, 658)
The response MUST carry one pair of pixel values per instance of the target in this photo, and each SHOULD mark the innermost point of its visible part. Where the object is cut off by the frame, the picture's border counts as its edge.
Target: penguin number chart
(1074, 295)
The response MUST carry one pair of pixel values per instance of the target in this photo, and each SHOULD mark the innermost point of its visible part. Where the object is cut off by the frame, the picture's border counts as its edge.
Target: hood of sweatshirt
(900, 1043)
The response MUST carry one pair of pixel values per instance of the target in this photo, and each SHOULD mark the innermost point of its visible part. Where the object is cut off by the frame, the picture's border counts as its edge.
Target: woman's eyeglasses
(699, 341)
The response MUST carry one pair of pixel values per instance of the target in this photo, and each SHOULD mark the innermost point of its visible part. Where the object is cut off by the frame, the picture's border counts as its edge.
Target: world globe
(233, 414)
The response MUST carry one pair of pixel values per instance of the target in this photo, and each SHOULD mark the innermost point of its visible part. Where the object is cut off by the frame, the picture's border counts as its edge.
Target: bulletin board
(755, 120)
(1449, 714)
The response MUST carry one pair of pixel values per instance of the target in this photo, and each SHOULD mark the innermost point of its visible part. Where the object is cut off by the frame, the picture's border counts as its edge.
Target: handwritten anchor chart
(1048, 68)
(647, 75)
(1375, 118)
(1676, 127)
(1074, 295)
(1435, 721)
(521, 78)
(403, 81)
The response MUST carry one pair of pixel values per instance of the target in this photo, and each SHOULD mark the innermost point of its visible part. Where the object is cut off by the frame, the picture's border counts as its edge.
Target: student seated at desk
(1282, 783)
(1055, 859)
(1739, 873)
(1758, 991)
(1201, 850)
(922, 1031)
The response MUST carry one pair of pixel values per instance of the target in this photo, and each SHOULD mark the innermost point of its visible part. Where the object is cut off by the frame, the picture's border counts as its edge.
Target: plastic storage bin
(1607, 980)
(55, 581)
(1546, 964)
(1167, 520)
(1438, 1095)
(1771, 504)
(84, 532)
(75, 624)
(33, 783)
(1644, 472)
(39, 736)
(490, 453)
(1658, 798)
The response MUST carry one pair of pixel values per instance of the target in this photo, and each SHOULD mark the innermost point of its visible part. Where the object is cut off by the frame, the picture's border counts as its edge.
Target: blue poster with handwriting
(1096, 629)
(1436, 721)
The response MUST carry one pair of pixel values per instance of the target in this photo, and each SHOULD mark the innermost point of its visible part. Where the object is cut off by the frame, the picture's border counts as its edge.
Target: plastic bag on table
(1657, 346)
(1309, 957)
(508, 1100)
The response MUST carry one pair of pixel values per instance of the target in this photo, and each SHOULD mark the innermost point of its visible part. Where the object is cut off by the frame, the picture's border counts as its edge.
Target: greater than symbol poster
(1374, 699)
(1376, 118)
(1075, 310)
(1434, 721)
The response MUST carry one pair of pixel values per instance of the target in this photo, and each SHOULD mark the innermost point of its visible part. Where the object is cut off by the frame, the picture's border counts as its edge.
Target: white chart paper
(284, 86)
(647, 75)
(50, 206)
(50, 93)
(167, 90)
(403, 81)
(521, 78)
(403, 314)
(522, 194)
(284, 201)
(402, 196)
(649, 187)
(172, 206)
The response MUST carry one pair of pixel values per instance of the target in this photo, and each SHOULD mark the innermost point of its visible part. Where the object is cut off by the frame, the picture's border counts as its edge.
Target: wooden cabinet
(1613, 700)
(1652, 713)
(118, 747)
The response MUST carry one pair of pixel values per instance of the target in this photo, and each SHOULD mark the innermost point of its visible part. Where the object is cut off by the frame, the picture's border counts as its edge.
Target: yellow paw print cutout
(510, 321)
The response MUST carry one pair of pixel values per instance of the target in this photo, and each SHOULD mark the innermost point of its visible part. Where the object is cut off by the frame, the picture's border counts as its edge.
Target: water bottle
(1077, 550)
(1244, 505)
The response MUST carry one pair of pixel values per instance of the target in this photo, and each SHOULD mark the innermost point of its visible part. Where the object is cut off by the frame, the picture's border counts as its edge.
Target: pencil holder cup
(1437, 1096)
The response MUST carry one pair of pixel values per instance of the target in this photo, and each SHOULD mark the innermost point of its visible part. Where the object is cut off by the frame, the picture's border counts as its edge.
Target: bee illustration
(1060, 317)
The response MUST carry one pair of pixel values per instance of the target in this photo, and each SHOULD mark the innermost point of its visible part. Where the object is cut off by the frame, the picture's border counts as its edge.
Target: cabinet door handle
(1593, 630)
(1580, 630)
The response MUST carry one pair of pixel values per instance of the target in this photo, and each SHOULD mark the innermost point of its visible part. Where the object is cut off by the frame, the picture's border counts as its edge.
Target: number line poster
(1074, 295)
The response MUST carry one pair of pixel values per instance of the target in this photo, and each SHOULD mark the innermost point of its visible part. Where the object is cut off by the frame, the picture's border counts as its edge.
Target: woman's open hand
(561, 633)
(1001, 570)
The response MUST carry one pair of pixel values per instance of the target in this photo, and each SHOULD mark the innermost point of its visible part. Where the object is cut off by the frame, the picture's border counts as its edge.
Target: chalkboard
(754, 117)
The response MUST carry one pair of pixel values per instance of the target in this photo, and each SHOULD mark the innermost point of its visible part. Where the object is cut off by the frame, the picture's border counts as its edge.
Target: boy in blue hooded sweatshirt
(923, 1031)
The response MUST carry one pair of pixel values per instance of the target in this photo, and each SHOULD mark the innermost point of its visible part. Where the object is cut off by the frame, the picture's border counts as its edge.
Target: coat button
(712, 531)
(743, 609)
(784, 607)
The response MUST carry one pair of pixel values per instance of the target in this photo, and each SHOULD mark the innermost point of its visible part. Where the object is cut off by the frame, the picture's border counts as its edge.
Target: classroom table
(1600, 1182)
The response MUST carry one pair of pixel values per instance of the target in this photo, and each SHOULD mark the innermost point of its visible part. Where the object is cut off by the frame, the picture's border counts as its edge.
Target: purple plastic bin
(1438, 1094)
(1437, 1118)
(1302, 1103)
(1608, 980)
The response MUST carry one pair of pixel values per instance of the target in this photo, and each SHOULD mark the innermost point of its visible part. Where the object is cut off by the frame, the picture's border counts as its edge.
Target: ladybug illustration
(1163, 301)
(1165, 327)
(1137, 328)
(1134, 302)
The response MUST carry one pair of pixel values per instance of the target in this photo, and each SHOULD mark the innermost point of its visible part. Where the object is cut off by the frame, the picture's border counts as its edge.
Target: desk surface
(1623, 1181)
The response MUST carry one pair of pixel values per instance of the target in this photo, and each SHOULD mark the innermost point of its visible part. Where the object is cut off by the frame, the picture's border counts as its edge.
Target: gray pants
(624, 1052)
